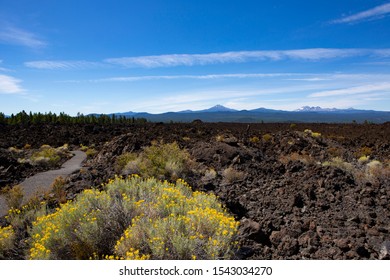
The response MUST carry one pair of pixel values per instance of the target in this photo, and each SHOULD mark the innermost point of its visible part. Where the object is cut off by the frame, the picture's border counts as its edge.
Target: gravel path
(41, 182)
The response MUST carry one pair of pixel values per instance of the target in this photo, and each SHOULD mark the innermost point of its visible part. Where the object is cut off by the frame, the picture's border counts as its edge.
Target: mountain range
(307, 114)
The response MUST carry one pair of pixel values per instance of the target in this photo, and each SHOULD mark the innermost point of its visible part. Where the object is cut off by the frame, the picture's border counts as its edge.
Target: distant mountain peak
(219, 108)
(320, 109)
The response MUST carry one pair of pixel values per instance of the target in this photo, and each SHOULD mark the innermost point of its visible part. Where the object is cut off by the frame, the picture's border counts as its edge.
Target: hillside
(306, 114)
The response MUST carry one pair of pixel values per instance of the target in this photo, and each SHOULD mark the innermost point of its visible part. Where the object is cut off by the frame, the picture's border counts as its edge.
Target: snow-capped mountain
(320, 109)
(219, 113)
(218, 108)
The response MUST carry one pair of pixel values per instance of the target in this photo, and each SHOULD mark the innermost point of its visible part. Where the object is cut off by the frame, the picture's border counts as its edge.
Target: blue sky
(157, 56)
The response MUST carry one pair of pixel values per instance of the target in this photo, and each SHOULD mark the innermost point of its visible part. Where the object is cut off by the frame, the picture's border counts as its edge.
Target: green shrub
(123, 160)
(21, 218)
(13, 238)
(90, 152)
(293, 126)
(136, 219)
(46, 155)
(363, 159)
(254, 139)
(176, 223)
(164, 161)
(14, 196)
(63, 151)
(267, 137)
(311, 133)
(83, 148)
(339, 163)
(74, 231)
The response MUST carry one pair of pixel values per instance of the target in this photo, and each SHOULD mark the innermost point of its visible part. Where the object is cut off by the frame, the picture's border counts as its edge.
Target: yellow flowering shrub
(13, 242)
(176, 223)
(7, 238)
(135, 218)
(74, 231)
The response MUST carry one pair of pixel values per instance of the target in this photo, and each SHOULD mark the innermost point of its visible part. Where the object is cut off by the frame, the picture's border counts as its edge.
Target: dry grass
(363, 151)
(231, 175)
(58, 189)
(306, 159)
(14, 196)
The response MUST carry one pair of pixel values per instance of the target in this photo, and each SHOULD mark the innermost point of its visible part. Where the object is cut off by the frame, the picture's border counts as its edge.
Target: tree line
(62, 118)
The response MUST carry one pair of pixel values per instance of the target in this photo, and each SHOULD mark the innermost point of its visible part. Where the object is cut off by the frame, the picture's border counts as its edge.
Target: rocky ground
(298, 195)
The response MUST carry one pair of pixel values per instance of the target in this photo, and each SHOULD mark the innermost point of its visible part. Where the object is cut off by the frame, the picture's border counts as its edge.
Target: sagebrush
(135, 218)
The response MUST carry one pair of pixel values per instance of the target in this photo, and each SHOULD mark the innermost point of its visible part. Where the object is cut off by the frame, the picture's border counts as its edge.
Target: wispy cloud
(303, 77)
(371, 14)
(62, 64)
(171, 60)
(369, 88)
(10, 85)
(16, 36)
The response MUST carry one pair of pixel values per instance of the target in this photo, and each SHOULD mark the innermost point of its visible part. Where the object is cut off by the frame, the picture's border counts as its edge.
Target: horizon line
(200, 111)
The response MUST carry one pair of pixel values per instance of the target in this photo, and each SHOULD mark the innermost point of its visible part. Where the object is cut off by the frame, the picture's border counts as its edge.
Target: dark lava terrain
(297, 194)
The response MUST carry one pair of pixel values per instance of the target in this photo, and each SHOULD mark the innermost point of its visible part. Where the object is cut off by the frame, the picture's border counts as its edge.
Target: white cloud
(370, 88)
(374, 13)
(303, 77)
(16, 36)
(10, 85)
(171, 60)
(61, 64)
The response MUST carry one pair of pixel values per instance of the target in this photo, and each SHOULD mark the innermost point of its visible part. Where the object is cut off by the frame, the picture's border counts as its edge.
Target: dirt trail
(42, 181)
